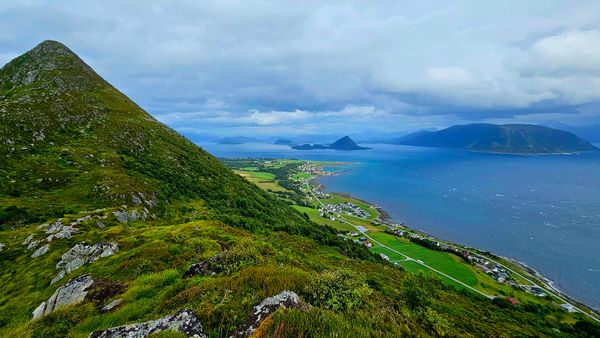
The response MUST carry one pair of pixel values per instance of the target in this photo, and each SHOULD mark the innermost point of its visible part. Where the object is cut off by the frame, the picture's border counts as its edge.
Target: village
(347, 208)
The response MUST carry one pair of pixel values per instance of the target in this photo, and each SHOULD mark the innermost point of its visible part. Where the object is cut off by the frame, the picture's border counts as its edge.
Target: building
(568, 307)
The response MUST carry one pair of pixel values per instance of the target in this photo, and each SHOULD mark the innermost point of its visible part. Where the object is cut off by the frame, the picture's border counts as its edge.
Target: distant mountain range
(284, 142)
(237, 140)
(508, 138)
(345, 143)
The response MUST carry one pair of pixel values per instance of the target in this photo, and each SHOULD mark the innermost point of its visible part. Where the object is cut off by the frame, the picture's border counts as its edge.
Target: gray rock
(99, 224)
(28, 239)
(112, 305)
(80, 220)
(57, 230)
(72, 292)
(2, 246)
(124, 216)
(184, 321)
(33, 245)
(42, 250)
(285, 299)
(82, 254)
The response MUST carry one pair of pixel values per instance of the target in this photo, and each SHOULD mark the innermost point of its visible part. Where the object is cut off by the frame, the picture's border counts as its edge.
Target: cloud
(351, 65)
(567, 54)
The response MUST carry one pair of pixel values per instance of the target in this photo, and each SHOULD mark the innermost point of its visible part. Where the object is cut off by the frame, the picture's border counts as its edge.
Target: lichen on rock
(82, 254)
(285, 299)
(184, 321)
(72, 292)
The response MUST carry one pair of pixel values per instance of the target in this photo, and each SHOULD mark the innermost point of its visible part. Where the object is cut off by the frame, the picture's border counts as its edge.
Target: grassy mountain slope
(508, 138)
(72, 143)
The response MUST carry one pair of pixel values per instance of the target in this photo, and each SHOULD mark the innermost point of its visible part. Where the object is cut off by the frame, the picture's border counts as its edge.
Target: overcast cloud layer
(213, 68)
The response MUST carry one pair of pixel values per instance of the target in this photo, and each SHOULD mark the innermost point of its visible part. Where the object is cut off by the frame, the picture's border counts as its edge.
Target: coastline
(540, 279)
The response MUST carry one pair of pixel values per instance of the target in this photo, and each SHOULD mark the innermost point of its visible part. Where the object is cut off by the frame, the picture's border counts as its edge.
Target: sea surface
(541, 210)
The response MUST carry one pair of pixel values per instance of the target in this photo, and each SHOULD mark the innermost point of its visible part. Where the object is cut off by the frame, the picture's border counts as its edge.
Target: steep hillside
(110, 218)
(73, 142)
(508, 138)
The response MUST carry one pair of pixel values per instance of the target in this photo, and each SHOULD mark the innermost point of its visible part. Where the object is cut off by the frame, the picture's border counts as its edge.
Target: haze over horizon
(270, 69)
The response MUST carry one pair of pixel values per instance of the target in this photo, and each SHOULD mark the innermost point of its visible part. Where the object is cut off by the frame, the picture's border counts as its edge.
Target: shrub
(337, 290)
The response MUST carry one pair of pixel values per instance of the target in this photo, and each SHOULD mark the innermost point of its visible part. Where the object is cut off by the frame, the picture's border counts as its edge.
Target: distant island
(284, 142)
(345, 143)
(236, 140)
(508, 138)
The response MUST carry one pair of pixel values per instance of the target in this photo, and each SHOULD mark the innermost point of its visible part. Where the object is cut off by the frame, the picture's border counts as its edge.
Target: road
(408, 258)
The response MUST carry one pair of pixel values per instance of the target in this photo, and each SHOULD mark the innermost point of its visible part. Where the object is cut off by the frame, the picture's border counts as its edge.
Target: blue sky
(285, 68)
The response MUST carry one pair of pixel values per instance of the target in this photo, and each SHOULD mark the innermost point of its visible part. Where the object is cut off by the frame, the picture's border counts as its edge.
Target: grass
(439, 260)
(315, 217)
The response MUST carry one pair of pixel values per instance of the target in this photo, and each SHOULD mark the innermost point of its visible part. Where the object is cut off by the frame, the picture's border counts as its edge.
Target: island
(507, 138)
(345, 143)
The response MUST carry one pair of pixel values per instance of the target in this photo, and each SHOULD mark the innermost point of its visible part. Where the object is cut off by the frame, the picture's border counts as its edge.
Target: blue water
(541, 210)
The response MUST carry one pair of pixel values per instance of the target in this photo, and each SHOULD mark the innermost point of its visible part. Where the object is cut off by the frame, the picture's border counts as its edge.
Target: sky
(287, 68)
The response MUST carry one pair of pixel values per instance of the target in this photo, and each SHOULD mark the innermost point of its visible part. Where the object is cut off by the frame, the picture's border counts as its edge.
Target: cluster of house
(361, 240)
(498, 272)
(347, 208)
(315, 171)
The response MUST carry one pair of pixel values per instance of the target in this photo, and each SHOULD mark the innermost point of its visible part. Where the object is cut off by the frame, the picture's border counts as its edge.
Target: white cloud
(350, 64)
(567, 53)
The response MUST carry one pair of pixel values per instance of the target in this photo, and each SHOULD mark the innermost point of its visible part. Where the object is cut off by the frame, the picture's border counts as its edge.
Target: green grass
(315, 217)
(439, 260)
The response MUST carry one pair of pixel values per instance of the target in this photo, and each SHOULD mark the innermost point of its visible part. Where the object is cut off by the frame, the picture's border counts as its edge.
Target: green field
(441, 261)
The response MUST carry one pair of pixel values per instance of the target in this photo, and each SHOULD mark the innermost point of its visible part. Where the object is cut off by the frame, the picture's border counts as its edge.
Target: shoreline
(544, 281)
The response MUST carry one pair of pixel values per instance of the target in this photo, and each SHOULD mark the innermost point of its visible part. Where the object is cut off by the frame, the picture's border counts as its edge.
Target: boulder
(28, 239)
(112, 305)
(184, 321)
(2, 246)
(42, 250)
(72, 292)
(285, 299)
(32, 245)
(82, 254)
(203, 269)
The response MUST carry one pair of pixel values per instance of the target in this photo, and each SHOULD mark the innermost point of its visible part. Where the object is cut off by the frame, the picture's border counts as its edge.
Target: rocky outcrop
(72, 292)
(124, 215)
(82, 254)
(285, 299)
(42, 250)
(184, 321)
(32, 245)
(58, 230)
(28, 239)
